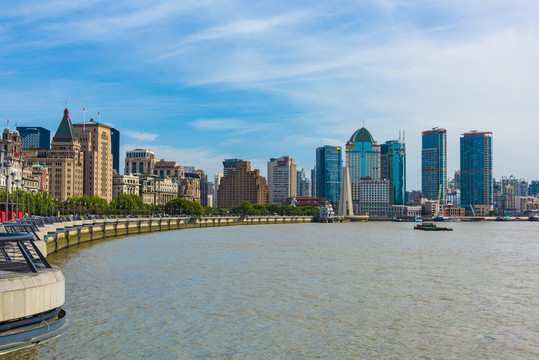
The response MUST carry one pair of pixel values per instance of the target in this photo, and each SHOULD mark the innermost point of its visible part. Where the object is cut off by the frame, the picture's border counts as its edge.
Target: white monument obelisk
(345, 202)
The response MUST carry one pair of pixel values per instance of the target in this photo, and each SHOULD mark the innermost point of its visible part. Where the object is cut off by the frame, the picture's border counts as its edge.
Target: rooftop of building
(66, 131)
(362, 135)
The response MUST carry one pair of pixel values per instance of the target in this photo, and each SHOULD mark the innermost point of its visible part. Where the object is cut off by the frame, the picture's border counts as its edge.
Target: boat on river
(431, 227)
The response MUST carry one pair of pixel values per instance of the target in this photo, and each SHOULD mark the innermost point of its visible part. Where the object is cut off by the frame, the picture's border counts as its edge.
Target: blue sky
(200, 81)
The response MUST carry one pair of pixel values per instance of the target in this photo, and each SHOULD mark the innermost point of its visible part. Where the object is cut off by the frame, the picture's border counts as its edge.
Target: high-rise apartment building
(35, 137)
(282, 179)
(242, 185)
(140, 161)
(328, 172)
(476, 181)
(95, 141)
(434, 164)
(393, 168)
(65, 161)
(115, 148)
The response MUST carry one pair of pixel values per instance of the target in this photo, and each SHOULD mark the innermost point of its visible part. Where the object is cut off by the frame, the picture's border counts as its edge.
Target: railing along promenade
(52, 234)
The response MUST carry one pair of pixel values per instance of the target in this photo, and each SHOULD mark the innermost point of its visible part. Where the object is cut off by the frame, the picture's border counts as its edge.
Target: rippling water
(303, 291)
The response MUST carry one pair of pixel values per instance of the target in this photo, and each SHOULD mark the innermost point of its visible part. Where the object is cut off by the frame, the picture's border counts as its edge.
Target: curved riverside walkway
(60, 235)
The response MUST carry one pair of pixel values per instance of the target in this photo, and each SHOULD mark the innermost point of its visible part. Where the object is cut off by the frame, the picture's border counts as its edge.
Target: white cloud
(140, 135)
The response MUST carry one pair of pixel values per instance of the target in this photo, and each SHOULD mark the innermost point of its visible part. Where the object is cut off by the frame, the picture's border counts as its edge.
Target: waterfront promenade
(56, 234)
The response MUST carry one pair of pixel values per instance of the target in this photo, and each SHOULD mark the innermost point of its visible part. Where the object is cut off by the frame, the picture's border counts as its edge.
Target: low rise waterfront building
(125, 184)
(404, 211)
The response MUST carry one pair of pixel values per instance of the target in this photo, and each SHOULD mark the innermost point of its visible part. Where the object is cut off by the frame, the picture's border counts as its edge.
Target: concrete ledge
(29, 294)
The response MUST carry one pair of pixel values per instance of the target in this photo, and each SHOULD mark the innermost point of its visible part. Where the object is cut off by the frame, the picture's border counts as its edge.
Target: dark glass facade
(115, 149)
(476, 182)
(329, 172)
(434, 164)
(35, 137)
(393, 168)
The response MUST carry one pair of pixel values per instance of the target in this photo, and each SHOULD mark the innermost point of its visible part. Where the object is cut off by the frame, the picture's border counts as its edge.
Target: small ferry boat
(418, 219)
(533, 217)
(438, 218)
(431, 227)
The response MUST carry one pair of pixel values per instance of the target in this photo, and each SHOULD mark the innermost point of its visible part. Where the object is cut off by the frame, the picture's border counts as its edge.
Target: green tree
(184, 206)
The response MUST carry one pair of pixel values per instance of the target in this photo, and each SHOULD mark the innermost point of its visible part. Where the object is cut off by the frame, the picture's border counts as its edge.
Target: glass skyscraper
(328, 172)
(434, 164)
(115, 149)
(35, 137)
(476, 182)
(393, 168)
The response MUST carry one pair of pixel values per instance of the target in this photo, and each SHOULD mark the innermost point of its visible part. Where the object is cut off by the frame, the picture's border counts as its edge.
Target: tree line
(43, 204)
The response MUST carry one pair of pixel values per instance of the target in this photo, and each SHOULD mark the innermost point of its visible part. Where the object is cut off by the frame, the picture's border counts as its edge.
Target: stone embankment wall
(62, 235)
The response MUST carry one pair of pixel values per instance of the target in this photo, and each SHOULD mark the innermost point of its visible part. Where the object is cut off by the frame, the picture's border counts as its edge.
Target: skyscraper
(95, 141)
(282, 179)
(476, 182)
(393, 168)
(243, 184)
(363, 162)
(35, 137)
(115, 148)
(328, 172)
(434, 164)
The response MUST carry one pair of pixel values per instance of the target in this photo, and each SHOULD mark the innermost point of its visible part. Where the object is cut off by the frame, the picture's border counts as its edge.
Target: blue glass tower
(35, 137)
(328, 172)
(393, 168)
(476, 182)
(434, 164)
(115, 149)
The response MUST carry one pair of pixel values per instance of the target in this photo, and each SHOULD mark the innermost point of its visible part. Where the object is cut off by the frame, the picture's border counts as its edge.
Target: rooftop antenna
(84, 120)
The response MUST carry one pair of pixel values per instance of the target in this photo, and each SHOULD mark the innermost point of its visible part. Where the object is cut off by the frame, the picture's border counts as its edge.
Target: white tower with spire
(345, 203)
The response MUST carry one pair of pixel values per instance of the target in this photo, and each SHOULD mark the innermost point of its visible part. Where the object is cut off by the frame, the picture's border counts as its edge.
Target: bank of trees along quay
(43, 204)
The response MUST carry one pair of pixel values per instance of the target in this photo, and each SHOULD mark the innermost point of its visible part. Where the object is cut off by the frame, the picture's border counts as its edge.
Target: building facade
(169, 169)
(476, 181)
(373, 197)
(393, 168)
(65, 161)
(242, 185)
(189, 187)
(95, 141)
(328, 172)
(304, 184)
(140, 161)
(282, 179)
(229, 165)
(35, 137)
(434, 164)
(125, 184)
(115, 149)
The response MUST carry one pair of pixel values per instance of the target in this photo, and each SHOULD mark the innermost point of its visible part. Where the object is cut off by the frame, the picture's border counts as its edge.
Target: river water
(303, 291)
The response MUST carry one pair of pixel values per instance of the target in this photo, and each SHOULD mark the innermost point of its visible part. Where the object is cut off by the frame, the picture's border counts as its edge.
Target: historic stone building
(242, 185)
(65, 161)
(95, 142)
(125, 184)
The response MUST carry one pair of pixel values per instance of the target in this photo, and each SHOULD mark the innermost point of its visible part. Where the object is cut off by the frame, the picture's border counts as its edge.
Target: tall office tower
(115, 149)
(363, 162)
(313, 182)
(434, 164)
(95, 141)
(282, 179)
(65, 161)
(328, 172)
(534, 188)
(242, 185)
(229, 165)
(476, 171)
(140, 161)
(203, 187)
(304, 184)
(216, 182)
(393, 168)
(35, 137)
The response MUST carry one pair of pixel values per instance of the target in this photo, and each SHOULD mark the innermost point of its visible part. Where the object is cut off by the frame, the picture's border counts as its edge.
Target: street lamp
(12, 183)
(17, 197)
(41, 203)
(24, 209)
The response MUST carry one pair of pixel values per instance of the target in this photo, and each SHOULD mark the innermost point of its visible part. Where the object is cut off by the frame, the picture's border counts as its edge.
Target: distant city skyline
(206, 81)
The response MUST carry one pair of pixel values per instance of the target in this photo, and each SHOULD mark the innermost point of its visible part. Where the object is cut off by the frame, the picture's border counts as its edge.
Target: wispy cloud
(140, 135)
